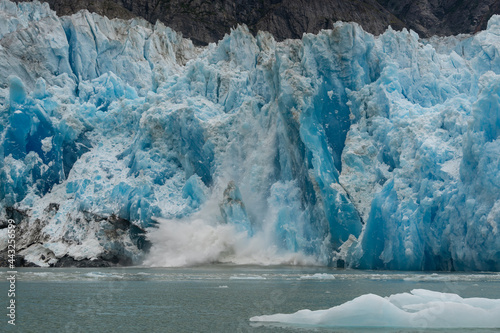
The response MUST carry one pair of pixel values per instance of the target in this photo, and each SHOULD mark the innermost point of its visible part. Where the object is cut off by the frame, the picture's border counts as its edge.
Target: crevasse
(121, 141)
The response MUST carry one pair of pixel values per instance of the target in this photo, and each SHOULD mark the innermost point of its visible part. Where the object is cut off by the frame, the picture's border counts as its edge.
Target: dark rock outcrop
(443, 17)
(115, 232)
(207, 21)
(109, 8)
(67, 261)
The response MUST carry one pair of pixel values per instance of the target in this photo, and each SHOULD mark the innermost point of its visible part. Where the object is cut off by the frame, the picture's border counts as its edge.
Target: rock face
(208, 21)
(443, 17)
(109, 8)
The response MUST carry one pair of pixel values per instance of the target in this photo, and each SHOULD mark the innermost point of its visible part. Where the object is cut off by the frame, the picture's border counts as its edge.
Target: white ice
(418, 309)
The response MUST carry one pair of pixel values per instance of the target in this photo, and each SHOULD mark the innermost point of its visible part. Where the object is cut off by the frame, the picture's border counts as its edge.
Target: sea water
(219, 298)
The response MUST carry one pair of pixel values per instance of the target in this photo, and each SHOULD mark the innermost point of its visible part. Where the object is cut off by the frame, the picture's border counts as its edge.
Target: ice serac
(119, 137)
(423, 144)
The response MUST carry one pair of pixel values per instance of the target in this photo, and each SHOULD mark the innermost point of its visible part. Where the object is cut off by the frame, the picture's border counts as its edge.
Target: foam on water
(224, 272)
(318, 276)
(101, 275)
(247, 277)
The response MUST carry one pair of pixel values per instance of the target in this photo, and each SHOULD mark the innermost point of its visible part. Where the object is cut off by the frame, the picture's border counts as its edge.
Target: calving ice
(123, 143)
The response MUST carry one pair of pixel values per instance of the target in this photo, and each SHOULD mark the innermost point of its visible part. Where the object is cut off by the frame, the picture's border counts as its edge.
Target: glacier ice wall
(379, 151)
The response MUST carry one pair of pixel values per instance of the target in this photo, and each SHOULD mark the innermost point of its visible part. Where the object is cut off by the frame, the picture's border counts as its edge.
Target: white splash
(200, 239)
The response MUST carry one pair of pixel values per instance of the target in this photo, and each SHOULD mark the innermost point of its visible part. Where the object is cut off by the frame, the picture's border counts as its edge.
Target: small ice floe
(247, 277)
(419, 309)
(318, 276)
(102, 275)
(452, 277)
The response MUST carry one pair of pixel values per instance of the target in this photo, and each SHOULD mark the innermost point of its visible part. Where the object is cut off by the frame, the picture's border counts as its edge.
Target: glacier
(120, 141)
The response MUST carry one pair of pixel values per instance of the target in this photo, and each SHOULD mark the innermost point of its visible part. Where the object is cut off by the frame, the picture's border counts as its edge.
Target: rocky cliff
(443, 17)
(207, 21)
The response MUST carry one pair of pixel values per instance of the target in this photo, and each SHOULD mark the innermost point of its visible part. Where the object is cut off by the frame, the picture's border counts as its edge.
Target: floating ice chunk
(103, 276)
(247, 277)
(419, 309)
(318, 276)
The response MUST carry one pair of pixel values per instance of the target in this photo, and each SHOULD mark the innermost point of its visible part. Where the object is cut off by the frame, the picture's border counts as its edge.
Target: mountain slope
(208, 21)
(445, 17)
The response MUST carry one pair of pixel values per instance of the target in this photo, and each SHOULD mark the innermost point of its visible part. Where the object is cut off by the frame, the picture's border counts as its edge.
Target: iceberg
(120, 141)
(418, 309)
